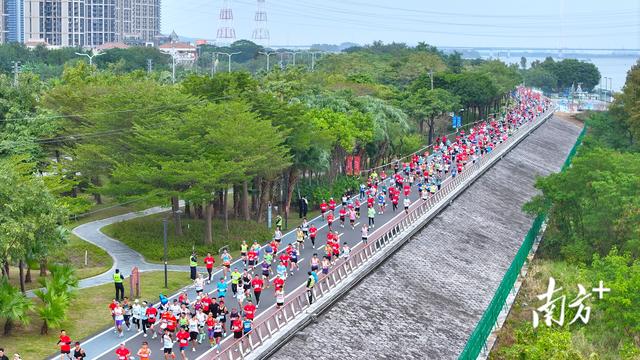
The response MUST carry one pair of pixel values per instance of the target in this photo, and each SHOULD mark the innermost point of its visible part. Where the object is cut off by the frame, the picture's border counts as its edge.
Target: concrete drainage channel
(272, 345)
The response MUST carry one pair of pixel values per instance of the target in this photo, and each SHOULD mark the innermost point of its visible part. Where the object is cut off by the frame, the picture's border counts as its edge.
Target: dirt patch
(570, 117)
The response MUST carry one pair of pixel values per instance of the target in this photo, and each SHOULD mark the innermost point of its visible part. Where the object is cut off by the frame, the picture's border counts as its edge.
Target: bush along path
(124, 258)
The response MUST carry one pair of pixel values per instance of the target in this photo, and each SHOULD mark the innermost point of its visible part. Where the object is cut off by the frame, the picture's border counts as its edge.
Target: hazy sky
(534, 23)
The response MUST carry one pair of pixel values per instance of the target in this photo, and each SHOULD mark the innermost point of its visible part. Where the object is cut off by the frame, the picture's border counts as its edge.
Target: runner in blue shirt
(381, 203)
(222, 288)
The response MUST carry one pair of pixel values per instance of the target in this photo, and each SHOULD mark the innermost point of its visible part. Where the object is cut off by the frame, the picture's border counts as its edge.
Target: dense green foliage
(557, 76)
(594, 230)
(227, 144)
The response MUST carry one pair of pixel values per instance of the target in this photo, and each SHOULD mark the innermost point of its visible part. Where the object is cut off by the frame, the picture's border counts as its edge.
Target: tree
(425, 106)
(627, 103)
(617, 309)
(14, 306)
(58, 291)
(350, 131)
(541, 78)
(569, 72)
(523, 63)
(32, 222)
(594, 205)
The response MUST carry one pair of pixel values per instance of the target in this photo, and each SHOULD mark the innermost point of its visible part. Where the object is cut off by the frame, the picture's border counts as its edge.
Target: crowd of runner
(206, 319)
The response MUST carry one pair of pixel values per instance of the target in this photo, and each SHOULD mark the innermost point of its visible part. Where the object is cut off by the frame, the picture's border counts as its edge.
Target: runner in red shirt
(123, 353)
(172, 322)
(274, 246)
(343, 214)
(323, 208)
(257, 284)
(278, 283)
(250, 310)
(208, 263)
(236, 328)
(370, 201)
(332, 205)
(284, 258)
(330, 220)
(252, 257)
(183, 342)
(112, 306)
(65, 344)
(313, 232)
(407, 189)
(394, 202)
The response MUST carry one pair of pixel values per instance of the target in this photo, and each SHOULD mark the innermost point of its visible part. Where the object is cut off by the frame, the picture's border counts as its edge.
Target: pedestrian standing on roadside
(117, 281)
(193, 265)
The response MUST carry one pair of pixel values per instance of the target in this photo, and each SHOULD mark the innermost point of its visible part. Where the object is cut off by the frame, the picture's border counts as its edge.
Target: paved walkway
(124, 258)
(427, 311)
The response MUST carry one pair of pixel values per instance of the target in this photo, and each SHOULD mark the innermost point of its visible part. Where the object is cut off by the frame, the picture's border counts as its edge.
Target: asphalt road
(103, 345)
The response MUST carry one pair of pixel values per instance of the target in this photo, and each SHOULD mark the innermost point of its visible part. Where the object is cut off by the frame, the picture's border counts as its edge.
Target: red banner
(349, 167)
(356, 165)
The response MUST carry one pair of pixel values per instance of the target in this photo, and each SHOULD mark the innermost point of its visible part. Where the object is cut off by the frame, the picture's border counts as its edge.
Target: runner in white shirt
(201, 317)
(192, 327)
(406, 202)
(167, 345)
(199, 284)
(118, 316)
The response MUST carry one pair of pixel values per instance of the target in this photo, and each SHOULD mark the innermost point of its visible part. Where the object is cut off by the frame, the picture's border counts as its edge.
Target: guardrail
(379, 239)
(478, 339)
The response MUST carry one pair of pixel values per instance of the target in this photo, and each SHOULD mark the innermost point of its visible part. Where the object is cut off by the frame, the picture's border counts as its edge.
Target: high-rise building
(89, 23)
(14, 20)
(49, 21)
(138, 20)
(101, 22)
(3, 23)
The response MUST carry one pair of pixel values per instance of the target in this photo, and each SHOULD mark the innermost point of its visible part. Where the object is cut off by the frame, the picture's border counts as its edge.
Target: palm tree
(58, 291)
(14, 306)
(63, 279)
(53, 310)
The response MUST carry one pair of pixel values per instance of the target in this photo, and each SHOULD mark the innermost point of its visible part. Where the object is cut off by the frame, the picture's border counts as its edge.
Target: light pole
(173, 67)
(214, 63)
(313, 58)
(292, 53)
(165, 226)
(89, 56)
(229, 55)
(431, 77)
(267, 54)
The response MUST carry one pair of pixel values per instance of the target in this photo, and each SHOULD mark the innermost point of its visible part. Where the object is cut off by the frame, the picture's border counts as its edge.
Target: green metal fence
(478, 339)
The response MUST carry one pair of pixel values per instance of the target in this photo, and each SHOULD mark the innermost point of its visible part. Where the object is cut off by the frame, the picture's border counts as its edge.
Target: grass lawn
(145, 235)
(98, 261)
(88, 315)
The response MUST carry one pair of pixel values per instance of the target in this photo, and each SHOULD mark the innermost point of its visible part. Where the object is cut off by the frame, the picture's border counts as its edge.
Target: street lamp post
(214, 63)
(293, 54)
(89, 56)
(229, 55)
(165, 226)
(313, 58)
(267, 54)
(431, 77)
